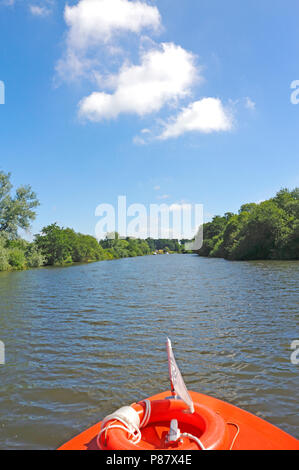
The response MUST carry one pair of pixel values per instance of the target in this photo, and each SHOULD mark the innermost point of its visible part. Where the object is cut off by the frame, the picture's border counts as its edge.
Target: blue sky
(189, 97)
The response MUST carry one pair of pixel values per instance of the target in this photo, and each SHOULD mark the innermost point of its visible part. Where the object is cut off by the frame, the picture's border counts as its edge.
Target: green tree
(16, 211)
(249, 207)
(212, 232)
(63, 246)
(268, 230)
(54, 243)
(85, 248)
(16, 258)
(4, 255)
(34, 258)
(261, 235)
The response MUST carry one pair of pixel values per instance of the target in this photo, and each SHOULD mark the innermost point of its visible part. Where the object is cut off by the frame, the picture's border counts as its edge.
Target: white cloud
(206, 115)
(144, 138)
(137, 140)
(38, 10)
(93, 22)
(249, 104)
(73, 66)
(164, 76)
(37, 7)
(93, 29)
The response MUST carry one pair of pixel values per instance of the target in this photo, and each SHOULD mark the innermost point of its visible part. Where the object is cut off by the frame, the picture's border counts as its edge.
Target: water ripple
(82, 341)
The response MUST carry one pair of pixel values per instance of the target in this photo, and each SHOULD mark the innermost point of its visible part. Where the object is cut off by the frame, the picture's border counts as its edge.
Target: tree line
(56, 245)
(268, 230)
(59, 246)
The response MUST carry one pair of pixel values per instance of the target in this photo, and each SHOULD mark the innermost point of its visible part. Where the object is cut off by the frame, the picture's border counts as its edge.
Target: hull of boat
(244, 431)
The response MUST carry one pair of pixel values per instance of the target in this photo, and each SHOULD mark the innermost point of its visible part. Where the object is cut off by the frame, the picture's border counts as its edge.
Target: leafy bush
(269, 230)
(16, 258)
(34, 258)
(4, 264)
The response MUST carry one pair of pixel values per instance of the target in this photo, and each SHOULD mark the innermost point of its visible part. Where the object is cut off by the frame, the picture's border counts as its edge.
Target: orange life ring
(205, 423)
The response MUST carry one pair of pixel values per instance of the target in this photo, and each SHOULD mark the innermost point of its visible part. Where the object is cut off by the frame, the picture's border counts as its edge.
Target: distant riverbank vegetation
(268, 230)
(62, 246)
(58, 246)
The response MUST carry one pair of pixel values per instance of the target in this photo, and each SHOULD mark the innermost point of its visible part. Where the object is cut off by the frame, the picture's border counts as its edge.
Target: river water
(84, 340)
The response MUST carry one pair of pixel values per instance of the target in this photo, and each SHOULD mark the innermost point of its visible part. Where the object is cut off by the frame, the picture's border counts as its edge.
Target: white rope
(134, 432)
(234, 439)
(131, 428)
(194, 438)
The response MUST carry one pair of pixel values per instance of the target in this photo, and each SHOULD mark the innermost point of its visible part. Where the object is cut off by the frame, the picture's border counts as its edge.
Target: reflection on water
(85, 340)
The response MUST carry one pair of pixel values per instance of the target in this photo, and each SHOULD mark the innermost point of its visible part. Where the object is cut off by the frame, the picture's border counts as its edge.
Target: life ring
(204, 422)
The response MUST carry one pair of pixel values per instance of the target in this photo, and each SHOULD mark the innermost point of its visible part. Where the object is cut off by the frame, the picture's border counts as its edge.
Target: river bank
(57, 246)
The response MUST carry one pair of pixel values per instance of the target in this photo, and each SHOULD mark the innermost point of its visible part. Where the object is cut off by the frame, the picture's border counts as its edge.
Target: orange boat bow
(219, 425)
